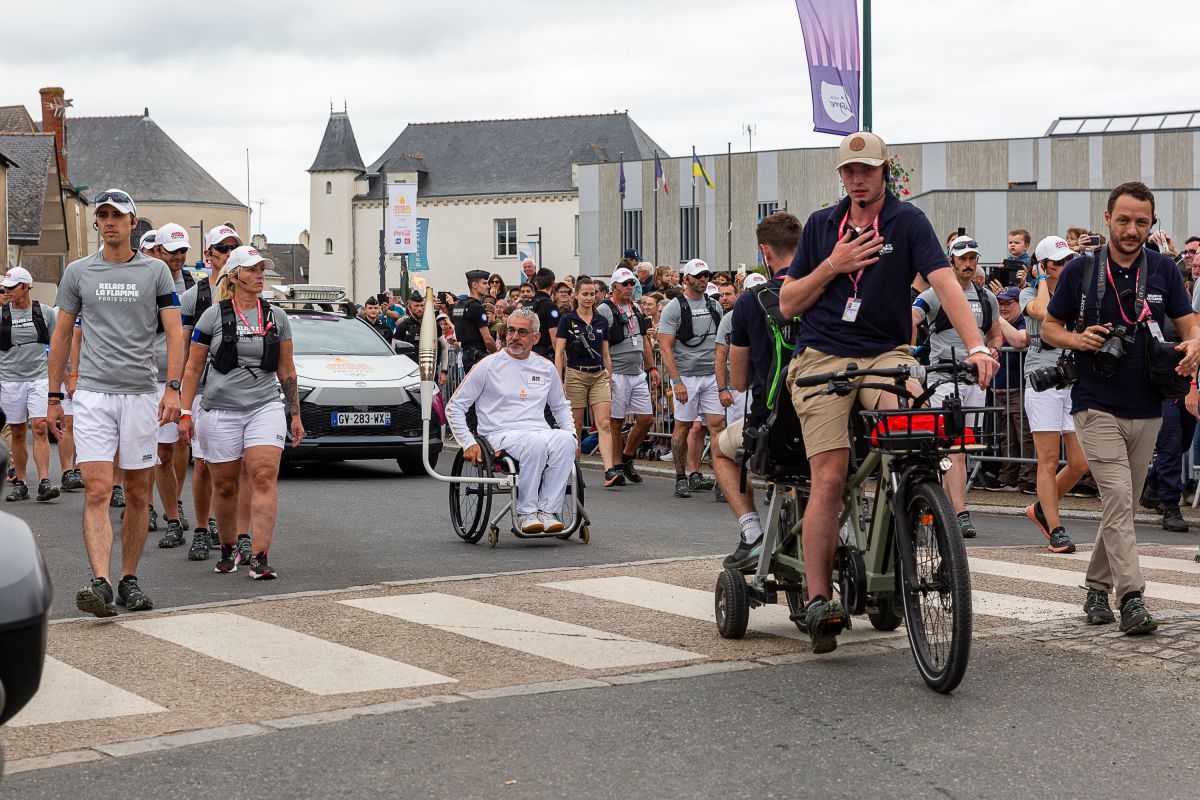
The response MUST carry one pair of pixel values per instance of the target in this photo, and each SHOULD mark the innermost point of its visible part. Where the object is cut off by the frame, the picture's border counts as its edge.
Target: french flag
(659, 175)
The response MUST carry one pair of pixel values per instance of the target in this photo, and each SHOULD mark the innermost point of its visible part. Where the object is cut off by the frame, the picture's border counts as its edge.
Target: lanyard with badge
(630, 320)
(853, 304)
(254, 330)
(1139, 282)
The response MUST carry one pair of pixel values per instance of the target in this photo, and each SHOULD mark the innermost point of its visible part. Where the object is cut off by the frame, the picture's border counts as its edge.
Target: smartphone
(1089, 241)
(1006, 273)
(962, 231)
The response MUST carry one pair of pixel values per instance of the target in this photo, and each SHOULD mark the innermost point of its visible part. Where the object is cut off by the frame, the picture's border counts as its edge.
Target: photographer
(1116, 300)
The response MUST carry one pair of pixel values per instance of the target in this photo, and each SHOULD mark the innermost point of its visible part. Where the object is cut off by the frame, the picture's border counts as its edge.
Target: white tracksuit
(510, 395)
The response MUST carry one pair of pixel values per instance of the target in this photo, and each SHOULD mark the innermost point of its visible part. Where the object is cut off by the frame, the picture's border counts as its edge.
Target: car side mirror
(405, 348)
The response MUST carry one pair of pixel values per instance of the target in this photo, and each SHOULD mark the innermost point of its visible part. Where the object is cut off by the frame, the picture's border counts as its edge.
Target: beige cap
(862, 147)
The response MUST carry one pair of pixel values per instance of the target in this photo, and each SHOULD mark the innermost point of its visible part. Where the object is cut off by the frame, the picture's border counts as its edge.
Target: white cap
(219, 234)
(712, 290)
(147, 240)
(753, 279)
(1053, 248)
(118, 199)
(963, 245)
(17, 275)
(245, 256)
(622, 274)
(695, 267)
(171, 237)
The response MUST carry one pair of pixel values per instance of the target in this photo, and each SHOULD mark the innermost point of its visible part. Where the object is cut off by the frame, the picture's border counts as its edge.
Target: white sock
(751, 527)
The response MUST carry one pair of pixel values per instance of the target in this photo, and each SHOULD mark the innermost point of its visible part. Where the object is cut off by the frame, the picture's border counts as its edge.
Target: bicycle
(914, 530)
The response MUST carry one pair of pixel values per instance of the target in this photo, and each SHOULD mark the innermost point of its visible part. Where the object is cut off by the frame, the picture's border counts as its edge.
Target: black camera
(1107, 360)
(1062, 375)
(578, 348)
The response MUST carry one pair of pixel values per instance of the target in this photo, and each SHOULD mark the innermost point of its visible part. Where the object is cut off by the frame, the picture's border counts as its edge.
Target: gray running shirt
(26, 359)
(626, 356)
(121, 305)
(942, 343)
(723, 332)
(696, 360)
(1035, 357)
(160, 341)
(245, 387)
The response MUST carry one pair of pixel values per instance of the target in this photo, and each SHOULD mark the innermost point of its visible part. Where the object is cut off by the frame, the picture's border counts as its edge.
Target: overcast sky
(220, 77)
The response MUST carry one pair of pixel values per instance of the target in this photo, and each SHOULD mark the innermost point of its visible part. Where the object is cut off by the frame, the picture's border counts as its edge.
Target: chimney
(54, 119)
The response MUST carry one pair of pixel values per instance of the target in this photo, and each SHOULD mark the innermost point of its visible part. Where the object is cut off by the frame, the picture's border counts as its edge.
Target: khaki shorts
(823, 418)
(730, 439)
(585, 389)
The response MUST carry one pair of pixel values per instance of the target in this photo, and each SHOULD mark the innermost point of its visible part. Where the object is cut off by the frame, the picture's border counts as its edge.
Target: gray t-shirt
(26, 359)
(1196, 297)
(160, 341)
(723, 332)
(943, 343)
(1035, 356)
(697, 360)
(245, 387)
(121, 304)
(627, 355)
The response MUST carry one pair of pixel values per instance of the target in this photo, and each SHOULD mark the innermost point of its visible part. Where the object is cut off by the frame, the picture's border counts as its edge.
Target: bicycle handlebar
(901, 374)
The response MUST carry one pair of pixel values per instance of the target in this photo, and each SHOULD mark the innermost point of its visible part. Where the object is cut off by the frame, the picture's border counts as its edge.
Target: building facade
(1043, 184)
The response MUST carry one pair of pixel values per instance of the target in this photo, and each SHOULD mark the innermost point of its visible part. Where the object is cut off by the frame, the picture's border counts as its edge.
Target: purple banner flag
(830, 30)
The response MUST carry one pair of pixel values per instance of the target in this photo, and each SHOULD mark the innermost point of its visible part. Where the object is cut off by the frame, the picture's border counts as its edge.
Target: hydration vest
(203, 297)
(685, 334)
(39, 324)
(783, 335)
(941, 322)
(226, 357)
(620, 328)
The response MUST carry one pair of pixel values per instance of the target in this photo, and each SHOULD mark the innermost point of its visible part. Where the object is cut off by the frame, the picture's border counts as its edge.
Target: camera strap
(1141, 311)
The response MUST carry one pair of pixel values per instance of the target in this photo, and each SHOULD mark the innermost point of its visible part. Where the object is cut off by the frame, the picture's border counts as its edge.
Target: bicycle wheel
(934, 587)
(470, 503)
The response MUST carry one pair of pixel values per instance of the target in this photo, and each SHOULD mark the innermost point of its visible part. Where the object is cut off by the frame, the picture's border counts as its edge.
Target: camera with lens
(1062, 375)
(578, 348)
(1107, 360)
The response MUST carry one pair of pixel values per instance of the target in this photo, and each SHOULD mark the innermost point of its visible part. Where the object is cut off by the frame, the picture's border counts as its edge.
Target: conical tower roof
(339, 150)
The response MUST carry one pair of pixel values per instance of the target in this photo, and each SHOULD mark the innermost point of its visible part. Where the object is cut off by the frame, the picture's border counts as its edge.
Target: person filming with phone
(1116, 300)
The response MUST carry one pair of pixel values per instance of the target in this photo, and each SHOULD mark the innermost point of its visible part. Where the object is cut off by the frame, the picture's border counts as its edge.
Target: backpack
(226, 357)
(941, 322)
(619, 329)
(39, 324)
(685, 334)
(783, 335)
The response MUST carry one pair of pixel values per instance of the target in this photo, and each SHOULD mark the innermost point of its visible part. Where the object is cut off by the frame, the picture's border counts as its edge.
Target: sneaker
(1136, 619)
(743, 551)
(718, 493)
(244, 552)
(700, 482)
(550, 522)
(260, 570)
(96, 598)
(666, 456)
(825, 619)
(153, 518)
(631, 474)
(966, 527)
(118, 497)
(681, 488)
(200, 545)
(1149, 498)
(19, 492)
(214, 536)
(227, 562)
(614, 477)
(1034, 512)
(1027, 487)
(174, 535)
(1172, 520)
(71, 481)
(990, 483)
(1097, 609)
(182, 517)
(530, 523)
(1060, 542)
(130, 595)
(1083, 490)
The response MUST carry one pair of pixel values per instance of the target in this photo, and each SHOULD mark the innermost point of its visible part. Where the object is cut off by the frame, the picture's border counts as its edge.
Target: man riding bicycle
(850, 279)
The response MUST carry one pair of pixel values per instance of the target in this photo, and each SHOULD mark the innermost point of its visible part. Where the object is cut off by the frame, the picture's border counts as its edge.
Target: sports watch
(174, 385)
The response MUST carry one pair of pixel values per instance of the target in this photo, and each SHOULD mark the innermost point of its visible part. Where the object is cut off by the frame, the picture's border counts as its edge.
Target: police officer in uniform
(547, 310)
(471, 321)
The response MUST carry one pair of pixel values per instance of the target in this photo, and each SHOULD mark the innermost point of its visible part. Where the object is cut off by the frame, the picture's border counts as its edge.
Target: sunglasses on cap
(224, 248)
(113, 197)
(964, 245)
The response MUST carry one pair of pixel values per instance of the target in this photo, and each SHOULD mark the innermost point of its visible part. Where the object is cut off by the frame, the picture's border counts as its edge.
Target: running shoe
(614, 477)
(743, 551)
(118, 497)
(183, 520)
(19, 492)
(227, 562)
(130, 595)
(681, 488)
(825, 619)
(1097, 609)
(244, 553)
(200, 545)
(1034, 512)
(530, 523)
(966, 527)
(1027, 487)
(1136, 619)
(260, 570)
(71, 481)
(1060, 542)
(174, 536)
(153, 519)
(631, 474)
(698, 481)
(989, 483)
(718, 493)
(96, 598)
(550, 522)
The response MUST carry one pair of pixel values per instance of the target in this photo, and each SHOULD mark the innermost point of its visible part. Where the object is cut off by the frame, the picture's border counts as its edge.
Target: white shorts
(702, 398)
(972, 395)
(224, 435)
(106, 423)
(169, 433)
(630, 395)
(24, 400)
(1049, 411)
(68, 405)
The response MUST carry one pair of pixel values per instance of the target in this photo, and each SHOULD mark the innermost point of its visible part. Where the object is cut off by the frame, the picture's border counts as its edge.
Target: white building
(487, 188)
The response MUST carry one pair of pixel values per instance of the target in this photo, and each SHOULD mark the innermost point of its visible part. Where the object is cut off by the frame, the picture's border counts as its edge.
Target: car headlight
(303, 391)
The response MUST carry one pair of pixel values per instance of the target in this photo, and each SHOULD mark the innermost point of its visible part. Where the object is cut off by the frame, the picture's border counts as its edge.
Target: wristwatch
(56, 396)
(174, 385)
(979, 348)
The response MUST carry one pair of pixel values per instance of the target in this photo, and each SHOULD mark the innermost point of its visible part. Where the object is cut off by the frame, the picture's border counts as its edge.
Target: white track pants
(547, 460)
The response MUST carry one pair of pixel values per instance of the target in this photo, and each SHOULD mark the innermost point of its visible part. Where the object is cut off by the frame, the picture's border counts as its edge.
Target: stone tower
(331, 181)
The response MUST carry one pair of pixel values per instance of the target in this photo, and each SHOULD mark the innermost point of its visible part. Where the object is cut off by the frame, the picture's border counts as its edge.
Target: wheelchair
(471, 503)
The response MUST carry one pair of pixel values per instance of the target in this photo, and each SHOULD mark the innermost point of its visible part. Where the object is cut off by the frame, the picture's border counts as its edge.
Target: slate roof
(27, 183)
(511, 156)
(136, 155)
(338, 150)
(283, 259)
(16, 119)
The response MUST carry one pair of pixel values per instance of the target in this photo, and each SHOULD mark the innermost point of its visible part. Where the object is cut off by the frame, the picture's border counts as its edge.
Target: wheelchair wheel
(570, 511)
(470, 503)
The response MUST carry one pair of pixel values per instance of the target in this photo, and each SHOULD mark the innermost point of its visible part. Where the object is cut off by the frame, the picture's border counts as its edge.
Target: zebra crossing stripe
(1025, 609)
(67, 694)
(1065, 577)
(305, 662)
(528, 633)
(1147, 562)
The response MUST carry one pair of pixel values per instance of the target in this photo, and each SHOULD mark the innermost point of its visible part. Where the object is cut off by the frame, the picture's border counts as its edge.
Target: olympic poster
(402, 218)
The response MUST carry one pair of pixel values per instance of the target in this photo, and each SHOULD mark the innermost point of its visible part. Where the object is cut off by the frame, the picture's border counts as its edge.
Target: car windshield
(318, 335)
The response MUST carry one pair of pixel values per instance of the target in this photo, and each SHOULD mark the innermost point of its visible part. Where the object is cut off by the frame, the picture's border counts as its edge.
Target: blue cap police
(477, 275)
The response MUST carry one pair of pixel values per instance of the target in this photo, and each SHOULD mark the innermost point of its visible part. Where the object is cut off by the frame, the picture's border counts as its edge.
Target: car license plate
(346, 419)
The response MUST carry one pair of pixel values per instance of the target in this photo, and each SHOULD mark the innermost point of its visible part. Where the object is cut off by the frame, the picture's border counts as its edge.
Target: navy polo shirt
(749, 329)
(594, 333)
(1127, 394)
(885, 318)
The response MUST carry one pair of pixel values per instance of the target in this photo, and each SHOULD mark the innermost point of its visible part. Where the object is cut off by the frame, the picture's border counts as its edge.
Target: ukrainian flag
(698, 171)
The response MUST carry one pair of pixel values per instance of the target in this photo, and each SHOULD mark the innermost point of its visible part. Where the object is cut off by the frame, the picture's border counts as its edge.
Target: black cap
(477, 275)
(633, 253)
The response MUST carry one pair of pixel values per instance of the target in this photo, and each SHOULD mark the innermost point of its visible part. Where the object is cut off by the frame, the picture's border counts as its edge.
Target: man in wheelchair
(510, 390)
